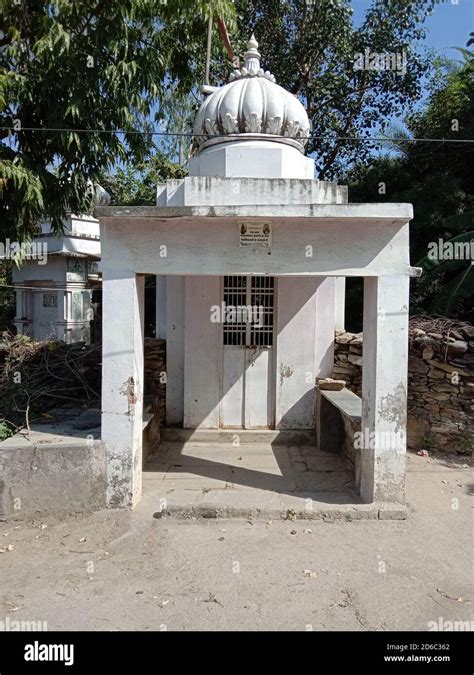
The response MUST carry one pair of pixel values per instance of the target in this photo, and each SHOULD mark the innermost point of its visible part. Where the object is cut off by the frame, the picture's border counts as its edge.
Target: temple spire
(252, 58)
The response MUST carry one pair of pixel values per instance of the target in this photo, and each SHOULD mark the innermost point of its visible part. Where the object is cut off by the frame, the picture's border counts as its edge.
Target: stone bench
(338, 418)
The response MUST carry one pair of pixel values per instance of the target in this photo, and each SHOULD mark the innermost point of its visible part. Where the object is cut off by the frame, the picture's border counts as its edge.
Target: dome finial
(252, 44)
(252, 57)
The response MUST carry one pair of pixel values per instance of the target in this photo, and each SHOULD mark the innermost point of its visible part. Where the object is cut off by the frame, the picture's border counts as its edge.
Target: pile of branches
(441, 326)
(448, 339)
(36, 376)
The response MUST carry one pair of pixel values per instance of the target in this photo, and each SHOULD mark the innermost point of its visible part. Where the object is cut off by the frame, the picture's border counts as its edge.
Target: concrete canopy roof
(306, 239)
(367, 211)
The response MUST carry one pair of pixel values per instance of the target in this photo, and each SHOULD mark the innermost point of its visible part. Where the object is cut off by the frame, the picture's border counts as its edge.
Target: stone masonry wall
(440, 382)
(155, 387)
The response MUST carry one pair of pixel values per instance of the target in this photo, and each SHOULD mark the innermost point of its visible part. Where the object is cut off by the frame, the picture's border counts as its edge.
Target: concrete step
(245, 436)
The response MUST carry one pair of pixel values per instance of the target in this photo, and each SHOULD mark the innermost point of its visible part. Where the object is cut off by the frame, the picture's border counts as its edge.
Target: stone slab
(308, 485)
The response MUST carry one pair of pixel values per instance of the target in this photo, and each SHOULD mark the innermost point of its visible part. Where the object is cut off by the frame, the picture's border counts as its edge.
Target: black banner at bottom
(126, 652)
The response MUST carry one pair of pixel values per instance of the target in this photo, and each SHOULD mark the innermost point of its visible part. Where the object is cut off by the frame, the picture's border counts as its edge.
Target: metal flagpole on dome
(208, 54)
(224, 33)
(226, 40)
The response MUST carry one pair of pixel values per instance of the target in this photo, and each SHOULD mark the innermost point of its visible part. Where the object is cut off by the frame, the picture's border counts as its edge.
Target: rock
(468, 332)
(436, 374)
(416, 431)
(356, 360)
(427, 352)
(345, 338)
(329, 384)
(451, 368)
(442, 429)
(449, 388)
(432, 408)
(438, 396)
(416, 365)
(422, 340)
(344, 369)
(458, 346)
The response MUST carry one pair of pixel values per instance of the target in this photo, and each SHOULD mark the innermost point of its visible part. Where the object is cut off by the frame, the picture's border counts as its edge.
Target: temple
(251, 253)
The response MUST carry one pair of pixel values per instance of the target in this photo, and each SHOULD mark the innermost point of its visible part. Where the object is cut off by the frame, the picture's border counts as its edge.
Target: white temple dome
(252, 105)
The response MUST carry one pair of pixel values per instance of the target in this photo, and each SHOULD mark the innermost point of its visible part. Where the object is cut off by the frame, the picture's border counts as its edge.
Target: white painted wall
(62, 322)
(54, 271)
(325, 299)
(257, 159)
(200, 191)
(304, 346)
(202, 353)
(175, 330)
(161, 305)
(340, 291)
(345, 244)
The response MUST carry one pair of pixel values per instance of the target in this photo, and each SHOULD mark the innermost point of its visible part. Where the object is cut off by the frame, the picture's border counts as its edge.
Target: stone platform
(273, 480)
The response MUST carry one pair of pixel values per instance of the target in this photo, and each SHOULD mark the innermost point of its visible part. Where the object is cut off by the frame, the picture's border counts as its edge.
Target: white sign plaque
(255, 233)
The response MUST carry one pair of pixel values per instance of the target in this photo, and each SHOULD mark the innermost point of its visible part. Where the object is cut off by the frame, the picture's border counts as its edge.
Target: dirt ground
(128, 570)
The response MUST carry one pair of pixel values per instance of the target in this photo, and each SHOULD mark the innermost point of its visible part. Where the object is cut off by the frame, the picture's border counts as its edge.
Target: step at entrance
(245, 436)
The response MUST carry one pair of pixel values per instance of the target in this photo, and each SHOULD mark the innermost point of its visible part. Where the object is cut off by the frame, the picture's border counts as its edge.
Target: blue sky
(449, 25)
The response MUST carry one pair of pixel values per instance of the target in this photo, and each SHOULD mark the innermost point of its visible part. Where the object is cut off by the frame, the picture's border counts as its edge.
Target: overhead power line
(368, 139)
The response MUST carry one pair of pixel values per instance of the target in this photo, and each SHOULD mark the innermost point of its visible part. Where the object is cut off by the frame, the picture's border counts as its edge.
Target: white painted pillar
(384, 388)
(122, 385)
(340, 302)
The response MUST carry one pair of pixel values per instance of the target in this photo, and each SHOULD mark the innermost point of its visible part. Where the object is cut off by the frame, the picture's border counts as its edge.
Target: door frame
(272, 393)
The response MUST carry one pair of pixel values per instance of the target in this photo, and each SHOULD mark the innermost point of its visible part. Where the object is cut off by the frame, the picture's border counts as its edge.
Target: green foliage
(437, 178)
(5, 431)
(453, 278)
(136, 185)
(311, 48)
(79, 65)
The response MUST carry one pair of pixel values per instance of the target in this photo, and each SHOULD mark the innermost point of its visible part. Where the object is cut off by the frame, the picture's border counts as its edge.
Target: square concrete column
(122, 385)
(384, 388)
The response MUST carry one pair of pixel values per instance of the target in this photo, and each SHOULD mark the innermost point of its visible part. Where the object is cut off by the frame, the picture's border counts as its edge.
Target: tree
(86, 69)
(315, 51)
(449, 272)
(437, 179)
(135, 185)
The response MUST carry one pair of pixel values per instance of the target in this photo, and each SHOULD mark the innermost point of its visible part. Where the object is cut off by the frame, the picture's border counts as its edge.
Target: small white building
(54, 292)
(252, 252)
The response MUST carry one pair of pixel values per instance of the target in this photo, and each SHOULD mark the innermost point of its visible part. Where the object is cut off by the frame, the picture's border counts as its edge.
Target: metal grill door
(247, 399)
